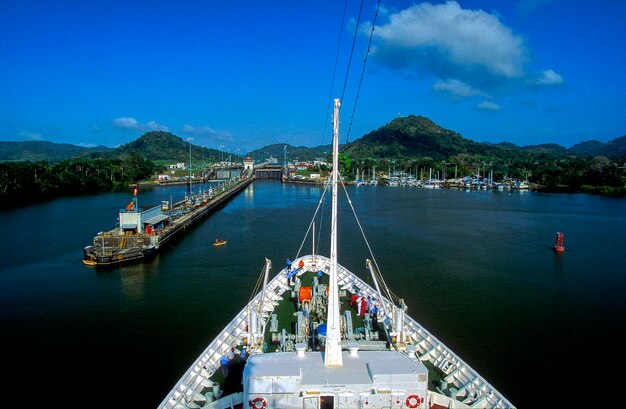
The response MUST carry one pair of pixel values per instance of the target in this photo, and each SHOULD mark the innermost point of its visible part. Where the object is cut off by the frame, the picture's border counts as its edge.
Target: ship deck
(452, 382)
(286, 316)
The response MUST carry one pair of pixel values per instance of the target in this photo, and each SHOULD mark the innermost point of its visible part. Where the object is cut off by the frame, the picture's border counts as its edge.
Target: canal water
(475, 268)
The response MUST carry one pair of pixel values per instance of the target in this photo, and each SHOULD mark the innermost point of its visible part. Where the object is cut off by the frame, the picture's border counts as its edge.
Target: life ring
(258, 403)
(413, 401)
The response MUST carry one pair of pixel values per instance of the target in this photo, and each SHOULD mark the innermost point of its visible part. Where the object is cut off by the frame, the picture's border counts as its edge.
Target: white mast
(332, 357)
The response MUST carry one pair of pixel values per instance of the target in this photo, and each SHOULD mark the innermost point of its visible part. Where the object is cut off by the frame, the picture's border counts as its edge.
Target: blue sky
(245, 74)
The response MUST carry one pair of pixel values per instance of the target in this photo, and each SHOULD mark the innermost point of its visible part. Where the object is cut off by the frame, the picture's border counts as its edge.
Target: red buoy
(559, 242)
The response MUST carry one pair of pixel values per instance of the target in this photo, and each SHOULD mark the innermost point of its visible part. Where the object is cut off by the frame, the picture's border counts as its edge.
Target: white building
(179, 165)
(248, 164)
(141, 221)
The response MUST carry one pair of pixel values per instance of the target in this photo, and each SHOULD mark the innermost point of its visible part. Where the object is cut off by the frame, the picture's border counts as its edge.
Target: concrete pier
(139, 237)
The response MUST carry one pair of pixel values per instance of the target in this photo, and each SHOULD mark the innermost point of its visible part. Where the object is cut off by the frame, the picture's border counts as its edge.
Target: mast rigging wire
(312, 220)
(332, 83)
(258, 285)
(379, 276)
(358, 92)
(356, 28)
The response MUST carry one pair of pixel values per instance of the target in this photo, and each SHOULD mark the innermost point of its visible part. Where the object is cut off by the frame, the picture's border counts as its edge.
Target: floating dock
(143, 232)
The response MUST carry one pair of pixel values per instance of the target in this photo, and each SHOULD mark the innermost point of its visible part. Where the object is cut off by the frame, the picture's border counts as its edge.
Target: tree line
(548, 172)
(30, 182)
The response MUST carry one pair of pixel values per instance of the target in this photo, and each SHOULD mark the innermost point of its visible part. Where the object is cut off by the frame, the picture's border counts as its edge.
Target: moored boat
(143, 231)
(90, 263)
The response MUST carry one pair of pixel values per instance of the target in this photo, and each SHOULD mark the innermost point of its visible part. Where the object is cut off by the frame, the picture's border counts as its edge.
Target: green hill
(402, 138)
(303, 153)
(615, 148)
(165, 146)
(410, 136)
(45, 151)
(545, 148)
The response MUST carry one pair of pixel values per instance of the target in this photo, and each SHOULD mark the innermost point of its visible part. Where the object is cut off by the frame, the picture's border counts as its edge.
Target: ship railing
(197, 377)
(435, 351)
(438, 353)
(490, 400)
(442, 400)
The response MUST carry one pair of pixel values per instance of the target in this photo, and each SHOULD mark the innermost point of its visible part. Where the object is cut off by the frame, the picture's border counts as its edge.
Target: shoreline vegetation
(23, 183)
(412, 145)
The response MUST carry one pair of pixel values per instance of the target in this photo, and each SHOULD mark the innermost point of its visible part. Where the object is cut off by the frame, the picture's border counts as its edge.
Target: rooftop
(368, 369)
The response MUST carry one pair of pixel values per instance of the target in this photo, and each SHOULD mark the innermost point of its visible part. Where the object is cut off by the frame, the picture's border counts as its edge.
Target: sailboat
(431, 184)
(318, 336)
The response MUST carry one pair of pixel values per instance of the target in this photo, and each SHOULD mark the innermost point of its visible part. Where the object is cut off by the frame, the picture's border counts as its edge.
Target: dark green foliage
(31, 182)
(409, 137)
(413, 143)
(160, 145)
(345, 163)
(300, 153)
(612, 149)
(48, 151)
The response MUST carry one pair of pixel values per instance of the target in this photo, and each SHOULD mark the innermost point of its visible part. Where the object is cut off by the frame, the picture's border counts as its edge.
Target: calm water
(475, 268)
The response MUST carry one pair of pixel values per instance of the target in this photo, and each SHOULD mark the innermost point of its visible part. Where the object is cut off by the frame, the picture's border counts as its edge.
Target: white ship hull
(468, 388)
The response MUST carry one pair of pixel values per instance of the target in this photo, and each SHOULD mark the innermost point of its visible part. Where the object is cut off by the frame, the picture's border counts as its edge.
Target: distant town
(318, 171)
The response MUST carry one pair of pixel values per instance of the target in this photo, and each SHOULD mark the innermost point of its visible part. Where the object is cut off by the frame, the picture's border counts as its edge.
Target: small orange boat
(218, 243)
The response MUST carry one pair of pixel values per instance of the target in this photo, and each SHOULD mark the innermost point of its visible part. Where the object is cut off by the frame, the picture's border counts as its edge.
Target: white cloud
(456, 88)
(469, 52)
(488, 106)
(154, 126)
(451, 42)
(197, 131)
(133, 124)
(126, 123)
(547, 77)
(206, 132)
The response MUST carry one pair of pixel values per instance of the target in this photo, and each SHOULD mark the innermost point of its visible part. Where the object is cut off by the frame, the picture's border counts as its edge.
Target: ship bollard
(209, 397)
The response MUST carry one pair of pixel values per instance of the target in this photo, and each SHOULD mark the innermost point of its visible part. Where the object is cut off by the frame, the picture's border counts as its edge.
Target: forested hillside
(42, 150)
(31, 182)
(412, 143)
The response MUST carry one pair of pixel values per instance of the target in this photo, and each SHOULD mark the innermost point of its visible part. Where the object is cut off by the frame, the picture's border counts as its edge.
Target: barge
(142, 232)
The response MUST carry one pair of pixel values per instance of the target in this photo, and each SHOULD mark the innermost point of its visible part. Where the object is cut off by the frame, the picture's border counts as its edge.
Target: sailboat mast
(332, 357)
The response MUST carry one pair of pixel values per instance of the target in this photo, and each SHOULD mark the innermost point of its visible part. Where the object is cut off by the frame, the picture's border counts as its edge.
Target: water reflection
(477, 269)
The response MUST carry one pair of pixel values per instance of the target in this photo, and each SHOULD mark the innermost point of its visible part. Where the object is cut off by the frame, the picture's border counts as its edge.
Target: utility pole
(190, 139)
(285, 155)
